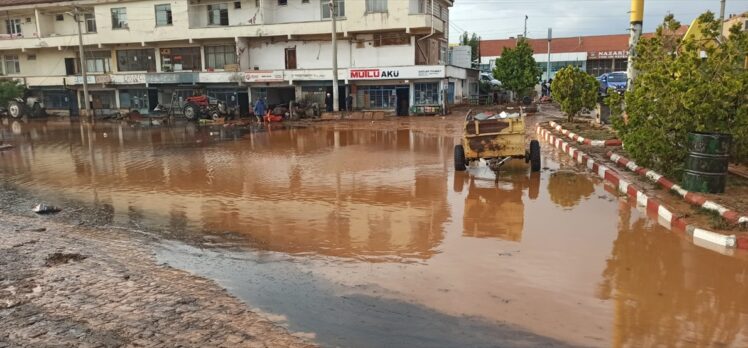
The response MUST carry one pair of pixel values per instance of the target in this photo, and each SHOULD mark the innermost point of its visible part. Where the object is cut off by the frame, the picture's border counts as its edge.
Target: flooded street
(362, 235)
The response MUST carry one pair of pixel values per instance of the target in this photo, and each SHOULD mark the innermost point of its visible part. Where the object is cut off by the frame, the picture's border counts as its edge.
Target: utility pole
(335, 96)
(635, 32)
(525, 32)
(77, 17)
(550, 35)
(722, 17)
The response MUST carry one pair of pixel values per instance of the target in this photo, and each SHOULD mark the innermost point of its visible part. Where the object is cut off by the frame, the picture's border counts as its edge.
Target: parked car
(488, 78)
(618, 81)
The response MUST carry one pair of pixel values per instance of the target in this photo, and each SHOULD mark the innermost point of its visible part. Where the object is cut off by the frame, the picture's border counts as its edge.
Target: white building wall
(295, 11)
(66, 26)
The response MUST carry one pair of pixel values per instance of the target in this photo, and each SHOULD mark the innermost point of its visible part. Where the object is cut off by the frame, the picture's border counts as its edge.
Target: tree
(474, 42)
(575, 90)
(517, 70)
(9, 90)
(694, 84)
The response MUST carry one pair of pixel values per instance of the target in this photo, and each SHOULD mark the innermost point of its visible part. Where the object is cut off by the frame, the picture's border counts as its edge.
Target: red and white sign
(607, 54)
(263, 76)
(395, 73)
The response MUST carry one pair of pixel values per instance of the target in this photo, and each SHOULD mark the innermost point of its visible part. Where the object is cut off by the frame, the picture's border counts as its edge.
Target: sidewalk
(63, 285)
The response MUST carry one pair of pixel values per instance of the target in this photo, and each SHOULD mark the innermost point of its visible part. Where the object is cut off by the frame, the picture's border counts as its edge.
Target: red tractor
(201, 106)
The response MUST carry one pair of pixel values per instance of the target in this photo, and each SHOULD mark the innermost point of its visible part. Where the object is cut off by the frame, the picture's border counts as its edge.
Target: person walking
(328, 102)
(260, 108)
(349, 103)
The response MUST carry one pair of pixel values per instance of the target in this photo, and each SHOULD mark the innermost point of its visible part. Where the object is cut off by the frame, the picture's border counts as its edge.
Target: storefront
(396, 89)
(603, 62)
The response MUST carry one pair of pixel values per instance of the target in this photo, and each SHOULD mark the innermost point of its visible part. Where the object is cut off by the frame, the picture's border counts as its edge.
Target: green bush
(696, 84)
(9, 90)
(574, 90)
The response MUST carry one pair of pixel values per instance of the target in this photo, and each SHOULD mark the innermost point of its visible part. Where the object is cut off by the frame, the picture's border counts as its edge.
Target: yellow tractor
(496, 138)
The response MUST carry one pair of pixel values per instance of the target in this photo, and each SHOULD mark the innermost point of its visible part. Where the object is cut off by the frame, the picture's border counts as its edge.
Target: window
(12, 65)
(304, 1)
(339, 8)
(136, 60)
(390, 39)
(31, 57)
(426, 93)
(282, 2)
(163, 15)
(291, 58)
(119, 18)
(99, 62)
(237, 5)
(621, 64)
(181, 59)
(59, 17)
(376, 97)
(90, 22)
(376, 6)
(217, 57)
(135, 99)
(13, 26)
(56, 99)
(218, 14)
(103, 100)
(418, 6)
(228, 96)
(258, 93)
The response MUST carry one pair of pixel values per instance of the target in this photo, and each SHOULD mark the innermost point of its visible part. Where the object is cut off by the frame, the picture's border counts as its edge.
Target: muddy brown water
(363, 235)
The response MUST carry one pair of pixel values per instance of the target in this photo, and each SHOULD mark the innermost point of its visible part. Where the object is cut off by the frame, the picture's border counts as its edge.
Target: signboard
(128, 79)
(395, 73)
(263, 76)
(607, 54)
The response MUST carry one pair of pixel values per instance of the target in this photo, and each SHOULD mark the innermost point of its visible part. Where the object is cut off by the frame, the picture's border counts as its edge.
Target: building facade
(391, 53)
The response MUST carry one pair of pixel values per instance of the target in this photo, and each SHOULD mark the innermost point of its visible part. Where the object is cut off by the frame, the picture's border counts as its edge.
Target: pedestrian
(260, 109)
(544, 88)
(349, 103)
(550, 82)
(328, 102)
(495, 97)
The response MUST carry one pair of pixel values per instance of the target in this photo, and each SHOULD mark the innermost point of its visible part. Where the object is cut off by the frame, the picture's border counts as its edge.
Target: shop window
(258, 93)
(339, 8)
(218, 14)
(291, 58)
(56, 99)
(13, 26)
(313, 95)
(99, 62)
(119, 18)
(376, 97)
(135, 99)
(12, 65)
(103, 100)
(217, 57)
(181, 59)
(163, 15)
(376, 6)
(426, 93)
(136, 60)
(621, 64)
(90, 22)
(228, 96)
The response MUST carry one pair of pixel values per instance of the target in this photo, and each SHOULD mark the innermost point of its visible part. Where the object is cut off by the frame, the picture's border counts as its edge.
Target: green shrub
(517, 70)
(9, 90)
(574, 90)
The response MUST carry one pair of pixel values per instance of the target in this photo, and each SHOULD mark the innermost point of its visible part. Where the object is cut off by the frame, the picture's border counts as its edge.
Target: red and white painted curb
(690, 197)
(665, 216)
(582, 140)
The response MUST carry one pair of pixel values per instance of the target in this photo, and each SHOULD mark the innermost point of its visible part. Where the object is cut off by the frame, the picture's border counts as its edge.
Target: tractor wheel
(215, 115)
(459, 158)
(535, 156)
(191, 112)
(15, 109)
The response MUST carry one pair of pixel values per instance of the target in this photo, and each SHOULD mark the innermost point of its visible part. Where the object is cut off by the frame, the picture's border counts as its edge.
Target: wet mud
(362, 234)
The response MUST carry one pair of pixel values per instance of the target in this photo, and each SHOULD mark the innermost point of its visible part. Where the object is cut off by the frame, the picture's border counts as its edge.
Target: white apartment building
(391, 53)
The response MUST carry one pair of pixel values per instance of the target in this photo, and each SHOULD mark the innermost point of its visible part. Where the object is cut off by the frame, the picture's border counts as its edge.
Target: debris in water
(4, 147)
(46, 209)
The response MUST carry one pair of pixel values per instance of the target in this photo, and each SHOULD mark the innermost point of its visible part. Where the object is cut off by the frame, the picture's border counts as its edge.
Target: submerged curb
(690, 197)
(582, 140)
(665, 216)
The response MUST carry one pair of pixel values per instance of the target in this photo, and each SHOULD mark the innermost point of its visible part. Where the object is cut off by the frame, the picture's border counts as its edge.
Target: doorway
(403, 101)
(291, 58)
(243, 99)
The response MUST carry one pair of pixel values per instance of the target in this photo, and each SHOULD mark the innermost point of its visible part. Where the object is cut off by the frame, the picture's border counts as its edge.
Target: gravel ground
(63, 285)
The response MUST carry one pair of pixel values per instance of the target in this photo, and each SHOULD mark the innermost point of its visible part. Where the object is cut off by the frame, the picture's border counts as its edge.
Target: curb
(652, 205)
(582, 140)
(690, 197)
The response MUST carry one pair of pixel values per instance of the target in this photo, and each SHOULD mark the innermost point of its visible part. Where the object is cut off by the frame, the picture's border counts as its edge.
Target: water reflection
(567, 188)
(495, 208)
(665, 289)
(352, 193)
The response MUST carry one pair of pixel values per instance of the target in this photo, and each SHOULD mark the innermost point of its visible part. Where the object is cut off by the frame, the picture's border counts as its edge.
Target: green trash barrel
(706, 164)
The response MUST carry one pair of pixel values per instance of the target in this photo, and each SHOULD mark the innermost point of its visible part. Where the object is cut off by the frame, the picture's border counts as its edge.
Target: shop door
(72, 97)
(403, 100)
(243, 98)
(451, 93)
(152, 99)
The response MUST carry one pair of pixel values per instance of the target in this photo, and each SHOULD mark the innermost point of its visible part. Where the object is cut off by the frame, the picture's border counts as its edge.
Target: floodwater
(363, 235)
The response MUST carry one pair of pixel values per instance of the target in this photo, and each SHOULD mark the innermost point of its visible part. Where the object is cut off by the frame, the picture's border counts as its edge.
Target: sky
(500, 19)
